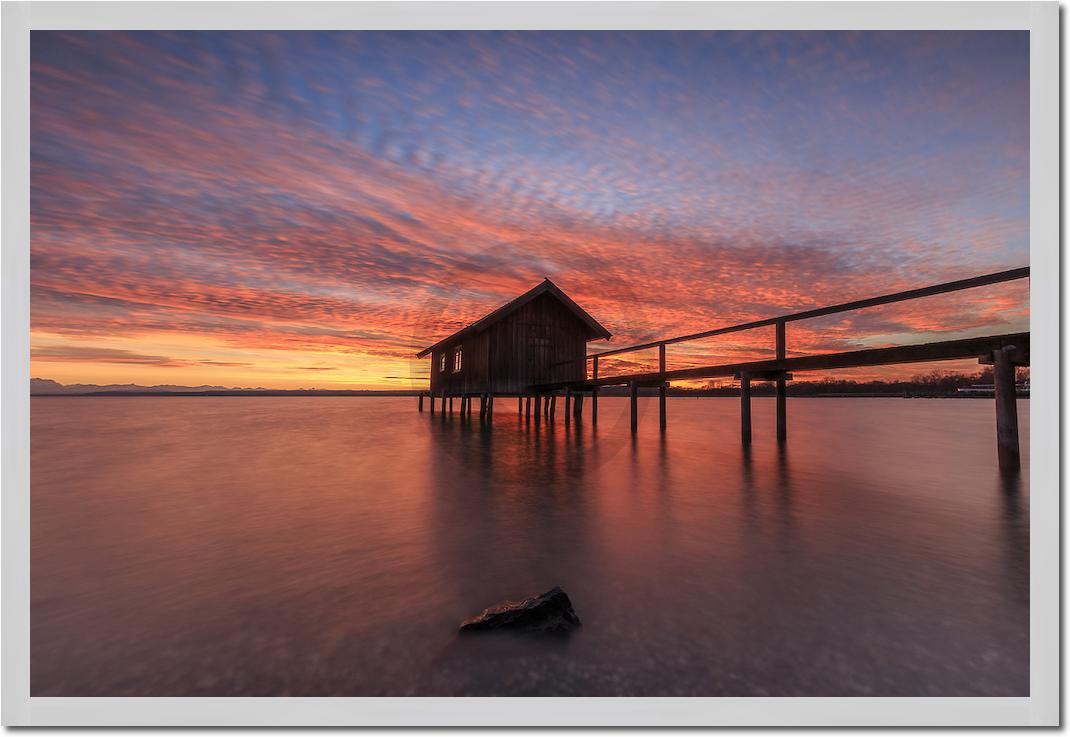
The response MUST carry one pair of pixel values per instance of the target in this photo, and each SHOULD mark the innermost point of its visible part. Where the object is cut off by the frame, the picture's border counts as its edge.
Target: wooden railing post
(1006, 411)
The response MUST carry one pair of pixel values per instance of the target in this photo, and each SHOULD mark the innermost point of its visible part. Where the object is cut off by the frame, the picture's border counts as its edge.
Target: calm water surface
(320, 546)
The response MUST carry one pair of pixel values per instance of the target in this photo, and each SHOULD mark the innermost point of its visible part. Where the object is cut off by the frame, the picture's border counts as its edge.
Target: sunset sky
(310, 209)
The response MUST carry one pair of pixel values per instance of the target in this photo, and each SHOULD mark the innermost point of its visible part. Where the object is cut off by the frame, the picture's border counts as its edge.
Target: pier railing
(781, 321)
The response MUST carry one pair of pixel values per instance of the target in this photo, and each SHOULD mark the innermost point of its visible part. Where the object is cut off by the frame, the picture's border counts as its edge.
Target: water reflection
(342, 557)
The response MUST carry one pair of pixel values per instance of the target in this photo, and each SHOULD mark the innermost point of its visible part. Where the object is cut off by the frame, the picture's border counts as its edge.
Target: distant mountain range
(48, 387)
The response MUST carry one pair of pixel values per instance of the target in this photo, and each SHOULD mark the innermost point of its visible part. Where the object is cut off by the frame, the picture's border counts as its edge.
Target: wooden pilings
(553, 405)
(781, 410)
(594, 406)
(1006, 411)
(421, 402)
(577, 406)
(744, 408)
(663, 389)
(527, 407)
(568, 405)
(633, 392)
(781, 385)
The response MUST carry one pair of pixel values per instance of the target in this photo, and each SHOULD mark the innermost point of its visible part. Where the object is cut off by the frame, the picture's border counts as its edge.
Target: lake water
(331, 546)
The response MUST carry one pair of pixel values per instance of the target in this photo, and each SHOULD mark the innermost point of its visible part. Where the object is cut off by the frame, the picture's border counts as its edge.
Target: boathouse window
(456, 360)
(442, 362)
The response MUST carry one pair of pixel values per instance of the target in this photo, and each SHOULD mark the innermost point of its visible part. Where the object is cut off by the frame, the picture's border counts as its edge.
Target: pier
(1003, 352)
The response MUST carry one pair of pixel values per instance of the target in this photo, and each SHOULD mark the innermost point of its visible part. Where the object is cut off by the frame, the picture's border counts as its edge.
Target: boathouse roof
(546, 287)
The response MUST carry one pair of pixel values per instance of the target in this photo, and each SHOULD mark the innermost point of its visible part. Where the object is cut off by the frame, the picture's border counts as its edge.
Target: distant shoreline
(359, 393)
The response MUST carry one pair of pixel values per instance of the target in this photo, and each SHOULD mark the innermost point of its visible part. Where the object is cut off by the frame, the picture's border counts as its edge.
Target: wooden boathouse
(538, 338)
(535, 348)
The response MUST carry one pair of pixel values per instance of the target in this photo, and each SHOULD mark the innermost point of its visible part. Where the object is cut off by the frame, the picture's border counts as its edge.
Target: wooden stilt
(1006, 411)
(553, 405)
(482, 407)
(781, 384)
(662, 392)
(451, 405)
(633, 391)
(519, 405)
(568, 405)
(546, 407)
(781, 410)
(744, 408)
(538, 407)
(577, 406)
(421, 402)
(594, 406)
(490, 406)
(432, 398)
(527, 407)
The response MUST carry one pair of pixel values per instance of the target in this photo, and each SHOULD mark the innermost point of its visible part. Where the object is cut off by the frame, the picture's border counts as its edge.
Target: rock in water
(551, 612)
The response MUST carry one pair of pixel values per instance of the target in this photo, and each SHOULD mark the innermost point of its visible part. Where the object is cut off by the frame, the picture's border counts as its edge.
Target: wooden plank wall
(542, 342)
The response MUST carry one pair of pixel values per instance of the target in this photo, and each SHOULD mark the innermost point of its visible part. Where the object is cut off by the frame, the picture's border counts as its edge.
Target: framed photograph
(614, 363)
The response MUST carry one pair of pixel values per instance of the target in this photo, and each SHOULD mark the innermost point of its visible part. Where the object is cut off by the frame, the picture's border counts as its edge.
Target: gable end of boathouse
(539, 337)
